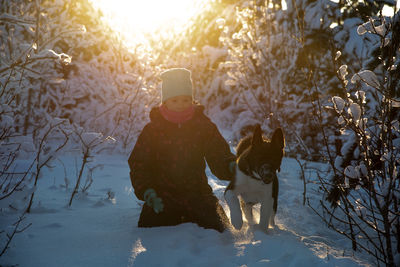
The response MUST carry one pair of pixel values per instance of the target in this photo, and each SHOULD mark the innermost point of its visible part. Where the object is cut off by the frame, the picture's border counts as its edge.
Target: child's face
(178, 103)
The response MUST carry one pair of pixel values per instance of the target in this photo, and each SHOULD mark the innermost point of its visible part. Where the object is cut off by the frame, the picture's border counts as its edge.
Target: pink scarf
(177, 117)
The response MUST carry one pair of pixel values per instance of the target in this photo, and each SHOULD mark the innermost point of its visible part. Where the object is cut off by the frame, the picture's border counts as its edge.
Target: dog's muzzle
(267, 173)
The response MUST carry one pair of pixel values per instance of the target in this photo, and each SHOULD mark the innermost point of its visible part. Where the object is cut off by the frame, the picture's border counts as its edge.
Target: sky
(132, 18)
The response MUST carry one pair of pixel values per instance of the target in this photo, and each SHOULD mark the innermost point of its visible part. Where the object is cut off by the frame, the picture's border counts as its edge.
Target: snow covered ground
(99, 231)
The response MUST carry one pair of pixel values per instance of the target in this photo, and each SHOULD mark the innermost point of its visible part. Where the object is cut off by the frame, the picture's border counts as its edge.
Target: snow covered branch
(363, 188)
(90, 142)
(47, 151)
(16, 230)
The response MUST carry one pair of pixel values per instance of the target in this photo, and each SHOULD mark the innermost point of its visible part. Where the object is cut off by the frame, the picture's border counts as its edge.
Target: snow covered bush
(46, 72)
(58, 59)
(271, 54)
(362, 195)
(22, 161)
(49, 141)
(90, 143)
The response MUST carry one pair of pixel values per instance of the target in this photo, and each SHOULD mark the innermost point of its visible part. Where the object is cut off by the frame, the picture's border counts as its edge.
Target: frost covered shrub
(89, 144)
(253, 65)
(362, 196)
(106, 88)
(26, 67)
(59, 67)
(49, 141)
(275, 58)
(14, 183)
(59, 64)
(22, 161)
(66, 63)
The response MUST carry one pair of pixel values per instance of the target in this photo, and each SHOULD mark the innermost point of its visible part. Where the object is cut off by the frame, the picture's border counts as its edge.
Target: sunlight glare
(133, 19)
(389, 11)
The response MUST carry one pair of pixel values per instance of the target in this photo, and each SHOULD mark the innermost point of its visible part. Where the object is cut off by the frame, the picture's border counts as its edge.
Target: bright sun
(134, 18)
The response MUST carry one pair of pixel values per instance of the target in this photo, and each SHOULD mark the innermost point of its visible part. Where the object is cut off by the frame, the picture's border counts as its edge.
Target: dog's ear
(278, 140)
(257, 135)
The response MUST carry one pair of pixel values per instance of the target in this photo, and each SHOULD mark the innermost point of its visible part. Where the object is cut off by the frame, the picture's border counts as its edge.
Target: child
(167, 166)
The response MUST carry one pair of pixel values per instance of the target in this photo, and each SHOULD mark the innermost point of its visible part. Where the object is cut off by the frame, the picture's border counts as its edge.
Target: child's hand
(151, 199)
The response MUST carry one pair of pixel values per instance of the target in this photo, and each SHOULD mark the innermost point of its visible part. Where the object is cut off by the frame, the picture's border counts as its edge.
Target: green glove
(151, 199)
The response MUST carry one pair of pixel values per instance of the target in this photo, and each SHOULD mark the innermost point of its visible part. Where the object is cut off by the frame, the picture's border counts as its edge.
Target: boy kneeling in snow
(167, 166)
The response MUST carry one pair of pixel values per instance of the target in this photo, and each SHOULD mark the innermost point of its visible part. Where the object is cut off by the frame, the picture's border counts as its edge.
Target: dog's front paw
(272, 222)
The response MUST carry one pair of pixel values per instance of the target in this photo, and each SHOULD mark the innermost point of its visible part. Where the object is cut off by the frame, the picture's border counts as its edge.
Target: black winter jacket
(170, 158)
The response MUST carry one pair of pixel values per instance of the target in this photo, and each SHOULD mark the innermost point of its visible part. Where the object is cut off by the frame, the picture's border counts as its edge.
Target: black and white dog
(257, 161)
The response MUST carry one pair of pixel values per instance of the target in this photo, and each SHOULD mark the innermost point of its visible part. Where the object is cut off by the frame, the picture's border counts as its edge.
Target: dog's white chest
(252, 190)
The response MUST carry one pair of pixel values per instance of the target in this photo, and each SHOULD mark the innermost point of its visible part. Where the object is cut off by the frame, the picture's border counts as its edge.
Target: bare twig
(16, 230)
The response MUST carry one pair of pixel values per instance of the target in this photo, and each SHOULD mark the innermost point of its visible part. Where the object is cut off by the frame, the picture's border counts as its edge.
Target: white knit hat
(175, 82)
